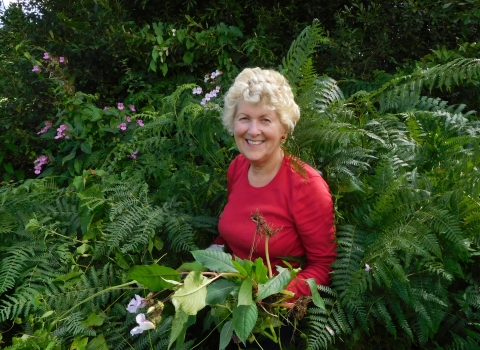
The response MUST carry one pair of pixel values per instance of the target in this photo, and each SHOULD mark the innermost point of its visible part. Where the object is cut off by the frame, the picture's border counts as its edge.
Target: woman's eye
(267, 120)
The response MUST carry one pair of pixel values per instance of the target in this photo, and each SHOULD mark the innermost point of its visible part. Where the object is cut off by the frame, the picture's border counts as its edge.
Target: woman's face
(258, 133)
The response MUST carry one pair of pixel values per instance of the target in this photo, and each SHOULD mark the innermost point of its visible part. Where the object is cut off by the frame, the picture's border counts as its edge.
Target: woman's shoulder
(300, 170)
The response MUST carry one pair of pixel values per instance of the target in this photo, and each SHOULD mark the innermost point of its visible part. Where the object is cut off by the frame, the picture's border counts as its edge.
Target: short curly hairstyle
(256, 85)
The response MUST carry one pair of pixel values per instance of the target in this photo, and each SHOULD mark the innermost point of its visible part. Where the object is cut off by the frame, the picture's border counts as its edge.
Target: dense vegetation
(111, 160)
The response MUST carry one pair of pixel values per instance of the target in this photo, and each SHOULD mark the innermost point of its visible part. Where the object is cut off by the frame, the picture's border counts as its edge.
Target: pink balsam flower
(36, 69)
(61, 59)
(140, 122)
(120, 106)
(143, 325)
(62, 132)
(122, 126)
(46, 56)
(136, 303)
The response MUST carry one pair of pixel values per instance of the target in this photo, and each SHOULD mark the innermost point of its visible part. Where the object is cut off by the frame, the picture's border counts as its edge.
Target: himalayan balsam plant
(245, 296)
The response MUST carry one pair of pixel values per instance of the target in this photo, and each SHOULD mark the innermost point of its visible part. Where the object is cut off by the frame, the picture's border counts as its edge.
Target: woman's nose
(253, 128)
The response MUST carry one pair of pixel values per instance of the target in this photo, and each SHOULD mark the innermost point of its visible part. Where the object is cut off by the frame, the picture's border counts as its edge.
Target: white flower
(367, 267)
(143, 325)
(136, 303)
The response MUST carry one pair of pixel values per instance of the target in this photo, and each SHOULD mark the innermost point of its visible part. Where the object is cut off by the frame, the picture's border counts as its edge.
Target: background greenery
(388, 92)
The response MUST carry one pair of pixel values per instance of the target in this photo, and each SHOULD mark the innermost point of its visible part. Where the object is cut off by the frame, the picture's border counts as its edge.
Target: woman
(267, 185)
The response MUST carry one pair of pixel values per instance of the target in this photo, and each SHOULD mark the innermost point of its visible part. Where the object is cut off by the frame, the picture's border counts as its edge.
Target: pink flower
(47, 126)
(143, 325)
(197, 90)
(136, 303)
(133, 155)
(128, 119)
(62, 132)
(106, 108)
(140, 122)
(36, 69)
(122, 126)
(120, 106)
(132, 108)
(61, 59)
(46, 56)
(42, 160)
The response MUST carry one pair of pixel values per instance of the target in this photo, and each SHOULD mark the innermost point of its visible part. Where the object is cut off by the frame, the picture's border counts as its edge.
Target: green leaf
(178, 321)
(245, 293)
(164, 68)
(121, 261)
(93, 320)
(218, 291)
(214, 260)
(149, 276)
(240, 268)
(192, 295)
(77, 164)
(153, 65)
(8, 167)
(180, 35)
(244, 319)
(226, 335)
(79, 344)
(155, 54)
(69, 156)
(189, 44)
(274, 285)
(98, 343)
(191, 266)
(317, 299)
(188, 57)
(86, 147)
(260, 271)
(46, 314)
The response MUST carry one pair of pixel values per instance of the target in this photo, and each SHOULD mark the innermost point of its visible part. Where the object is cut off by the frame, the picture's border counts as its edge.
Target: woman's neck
(259, 176)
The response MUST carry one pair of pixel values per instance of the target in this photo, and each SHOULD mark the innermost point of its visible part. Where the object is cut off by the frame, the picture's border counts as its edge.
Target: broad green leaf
(164, 68)
(8, 167)
(121, 261)
(218, 291)
(150, 275)
(215, 260)
(226, 335)
(260, 271)
(244, 319)
(240, 268)
(317, 299)
(77, 164)
(79, 343)
(180, 323)
(86, 147)
(245, 293)
(69, 156)
(98, 343)
(274, 285)
(46, 314)
(180, 35)
(192, 295)
(191, 266)
(93, 320)
(153, 65)
(188, 57)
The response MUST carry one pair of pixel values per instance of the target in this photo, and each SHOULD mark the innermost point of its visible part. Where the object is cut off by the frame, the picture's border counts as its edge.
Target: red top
(300, 205)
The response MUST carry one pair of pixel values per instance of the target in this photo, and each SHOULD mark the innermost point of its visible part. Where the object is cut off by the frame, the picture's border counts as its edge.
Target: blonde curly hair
(256, 85)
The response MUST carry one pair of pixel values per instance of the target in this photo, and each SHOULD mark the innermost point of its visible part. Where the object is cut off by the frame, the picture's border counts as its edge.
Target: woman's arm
(314, 220)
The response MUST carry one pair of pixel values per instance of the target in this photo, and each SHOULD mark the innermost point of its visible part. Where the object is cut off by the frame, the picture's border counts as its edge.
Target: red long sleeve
(299, 205)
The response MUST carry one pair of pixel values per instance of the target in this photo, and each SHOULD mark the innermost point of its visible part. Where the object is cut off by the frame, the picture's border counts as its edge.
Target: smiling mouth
(254, 143)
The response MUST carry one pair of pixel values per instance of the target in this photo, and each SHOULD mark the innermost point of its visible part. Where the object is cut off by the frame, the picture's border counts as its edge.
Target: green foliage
(399, 151)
